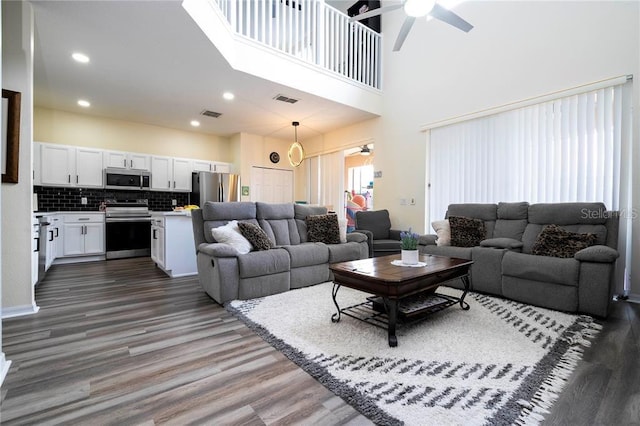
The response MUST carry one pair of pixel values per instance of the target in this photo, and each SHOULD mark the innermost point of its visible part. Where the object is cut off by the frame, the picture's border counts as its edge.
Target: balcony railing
(311, 31)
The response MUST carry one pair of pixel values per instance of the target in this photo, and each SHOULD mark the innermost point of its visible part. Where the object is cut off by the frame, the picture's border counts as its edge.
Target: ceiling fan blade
(404, 32)
(375, 12)
(445, 15)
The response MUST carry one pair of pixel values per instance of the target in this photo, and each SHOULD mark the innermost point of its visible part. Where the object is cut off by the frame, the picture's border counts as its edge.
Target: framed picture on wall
(10, 135)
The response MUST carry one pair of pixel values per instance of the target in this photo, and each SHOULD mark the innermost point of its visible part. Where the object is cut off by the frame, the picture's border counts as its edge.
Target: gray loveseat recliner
(503, 263)
(293, 262)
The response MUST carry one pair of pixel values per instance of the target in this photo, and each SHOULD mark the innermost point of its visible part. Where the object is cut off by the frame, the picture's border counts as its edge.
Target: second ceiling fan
(417, 9)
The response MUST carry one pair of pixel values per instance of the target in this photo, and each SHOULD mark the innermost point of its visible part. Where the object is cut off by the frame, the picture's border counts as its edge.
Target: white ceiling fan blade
(404, 32)
(445, 15)
(375, 12)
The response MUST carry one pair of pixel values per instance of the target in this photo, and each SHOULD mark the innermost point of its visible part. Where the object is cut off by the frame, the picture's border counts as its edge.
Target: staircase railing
(311, 31)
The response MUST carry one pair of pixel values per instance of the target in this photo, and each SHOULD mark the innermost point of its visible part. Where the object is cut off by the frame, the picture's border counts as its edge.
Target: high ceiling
(150, 63)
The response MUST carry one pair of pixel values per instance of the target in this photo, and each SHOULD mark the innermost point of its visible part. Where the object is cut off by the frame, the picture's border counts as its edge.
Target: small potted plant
(409, 247)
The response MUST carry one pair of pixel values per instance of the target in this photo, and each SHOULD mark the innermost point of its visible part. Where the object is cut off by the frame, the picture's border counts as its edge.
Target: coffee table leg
(464, 305)
(335, 317)
(392, 306)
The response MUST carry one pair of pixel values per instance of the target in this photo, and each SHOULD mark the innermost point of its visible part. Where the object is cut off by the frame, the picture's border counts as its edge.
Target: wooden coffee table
(403, 292)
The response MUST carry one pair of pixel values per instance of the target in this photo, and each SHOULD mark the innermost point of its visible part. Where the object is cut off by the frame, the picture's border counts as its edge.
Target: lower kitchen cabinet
(172, 245)
(83, 234)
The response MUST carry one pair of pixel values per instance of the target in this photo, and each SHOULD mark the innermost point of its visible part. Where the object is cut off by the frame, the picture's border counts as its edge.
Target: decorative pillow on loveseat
(323, 228)
(256, 235)
(443, 231)
(230, 234)
(466, 231)
(558, 242)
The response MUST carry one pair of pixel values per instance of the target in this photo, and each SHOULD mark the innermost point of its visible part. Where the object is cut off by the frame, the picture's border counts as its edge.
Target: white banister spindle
(311, 31)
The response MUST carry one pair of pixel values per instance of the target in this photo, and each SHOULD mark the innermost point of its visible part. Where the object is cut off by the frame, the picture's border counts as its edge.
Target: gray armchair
(376, 225)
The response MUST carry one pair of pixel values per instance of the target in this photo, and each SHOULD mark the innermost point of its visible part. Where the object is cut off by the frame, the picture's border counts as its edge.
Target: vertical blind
(326, 181)
(564, 150)
(570, 149)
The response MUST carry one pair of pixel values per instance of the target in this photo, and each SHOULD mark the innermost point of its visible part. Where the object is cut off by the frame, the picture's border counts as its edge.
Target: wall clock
(274, 157)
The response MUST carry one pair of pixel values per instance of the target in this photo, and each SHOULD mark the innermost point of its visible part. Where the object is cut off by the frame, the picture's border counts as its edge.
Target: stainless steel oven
(128, 229)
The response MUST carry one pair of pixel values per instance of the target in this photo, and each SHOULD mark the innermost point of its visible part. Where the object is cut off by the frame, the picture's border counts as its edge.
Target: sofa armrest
(598, 254)
(394, 234)
(502, 243)
(218, 250)
(427, 240)
(369, 236)
(357, 236)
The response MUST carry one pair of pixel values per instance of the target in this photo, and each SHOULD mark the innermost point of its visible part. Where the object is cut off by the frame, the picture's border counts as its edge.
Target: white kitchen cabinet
(170, 174)
(54, 239)
(172, 244)
(202, 166)
(127, 160)
(221, 168)
(182, 169)
(161, 173)
(157, 241)
(37, 169)
(83, 234)
(62, 165)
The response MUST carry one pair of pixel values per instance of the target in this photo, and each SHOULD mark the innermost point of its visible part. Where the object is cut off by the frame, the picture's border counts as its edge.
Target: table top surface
(381, 268)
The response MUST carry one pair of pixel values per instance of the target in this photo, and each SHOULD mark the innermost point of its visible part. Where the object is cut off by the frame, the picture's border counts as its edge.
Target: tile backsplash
(70, 199)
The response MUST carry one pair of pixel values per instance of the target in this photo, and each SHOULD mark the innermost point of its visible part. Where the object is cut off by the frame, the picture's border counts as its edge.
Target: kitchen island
(172, 246)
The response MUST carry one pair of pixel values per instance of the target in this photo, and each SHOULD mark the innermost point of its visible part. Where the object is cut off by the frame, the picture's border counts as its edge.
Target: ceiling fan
(364, 150)
(417, 9)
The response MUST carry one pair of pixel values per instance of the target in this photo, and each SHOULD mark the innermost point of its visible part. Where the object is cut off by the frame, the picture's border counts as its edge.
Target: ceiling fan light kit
(416, 9)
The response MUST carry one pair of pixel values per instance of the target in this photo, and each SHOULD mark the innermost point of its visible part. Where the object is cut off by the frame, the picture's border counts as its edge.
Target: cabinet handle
(174, 184)
(69, 178)
(51, 235)
(131, 163)
(76, 178)
(124, 163)
(169, 184)
(37, 244)
(154, 234)
(56, 232)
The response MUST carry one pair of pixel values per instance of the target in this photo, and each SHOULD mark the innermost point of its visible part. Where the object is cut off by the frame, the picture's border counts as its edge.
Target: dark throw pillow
(466, 231)
(558, 242)
(256, 235)
(323, 228)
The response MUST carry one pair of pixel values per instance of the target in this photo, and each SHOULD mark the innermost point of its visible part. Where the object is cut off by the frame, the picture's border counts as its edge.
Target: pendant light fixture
(296, 152)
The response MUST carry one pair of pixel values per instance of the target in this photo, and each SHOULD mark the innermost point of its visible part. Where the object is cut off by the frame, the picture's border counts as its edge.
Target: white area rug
(500, 362)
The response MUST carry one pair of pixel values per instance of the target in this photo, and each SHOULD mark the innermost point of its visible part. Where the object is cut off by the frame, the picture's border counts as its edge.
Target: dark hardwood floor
(119, 342)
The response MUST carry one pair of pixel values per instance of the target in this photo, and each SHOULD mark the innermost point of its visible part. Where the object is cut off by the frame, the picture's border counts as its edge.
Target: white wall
(517, 50)
(17, 75)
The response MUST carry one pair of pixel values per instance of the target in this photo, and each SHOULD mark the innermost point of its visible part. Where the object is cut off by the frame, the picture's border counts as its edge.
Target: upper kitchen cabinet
(170, 174)
(62, 165)
(127, 160)
(210, 166)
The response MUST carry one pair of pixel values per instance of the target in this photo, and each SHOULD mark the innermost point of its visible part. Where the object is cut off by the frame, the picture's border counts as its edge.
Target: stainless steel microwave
(126, 179)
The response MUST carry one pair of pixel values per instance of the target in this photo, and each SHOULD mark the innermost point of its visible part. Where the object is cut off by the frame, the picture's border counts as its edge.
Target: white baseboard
(18, 311)
(4, 367)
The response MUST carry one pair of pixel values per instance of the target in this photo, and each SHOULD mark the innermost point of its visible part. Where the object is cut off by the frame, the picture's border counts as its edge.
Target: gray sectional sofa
(293, 261)
(505, 266)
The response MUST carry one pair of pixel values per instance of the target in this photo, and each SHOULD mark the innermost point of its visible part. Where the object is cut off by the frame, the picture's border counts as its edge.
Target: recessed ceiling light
(80, 57)
(83, 103)
(228, 96)
(195, 123)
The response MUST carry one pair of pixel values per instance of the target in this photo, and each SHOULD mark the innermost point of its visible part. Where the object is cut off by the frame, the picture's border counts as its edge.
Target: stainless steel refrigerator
(211, 186)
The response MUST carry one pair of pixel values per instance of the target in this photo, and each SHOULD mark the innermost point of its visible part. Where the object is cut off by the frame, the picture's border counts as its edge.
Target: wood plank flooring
(119, 342)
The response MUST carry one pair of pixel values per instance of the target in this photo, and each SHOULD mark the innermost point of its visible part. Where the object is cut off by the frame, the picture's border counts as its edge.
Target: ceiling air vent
(283, 98)
(211, 113)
